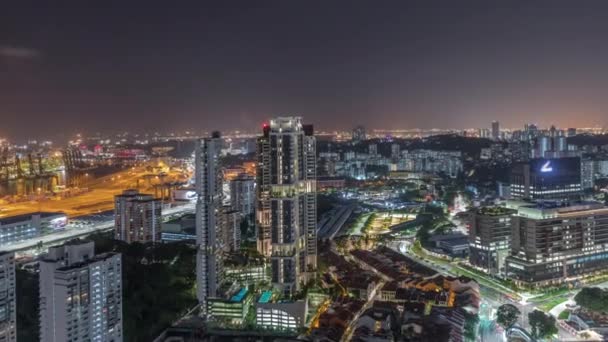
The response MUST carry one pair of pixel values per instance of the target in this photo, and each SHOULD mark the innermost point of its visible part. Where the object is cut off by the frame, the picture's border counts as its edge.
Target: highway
(72, 231)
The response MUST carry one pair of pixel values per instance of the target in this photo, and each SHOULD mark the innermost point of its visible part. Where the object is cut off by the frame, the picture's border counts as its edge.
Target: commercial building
(137, 217)
(490, 238)
(14, 229)
(547, 179)
(453, 244)
(8, 301)
(180, 229)
(553, 243)
(286, 207)
(280, 315)
(242, 194)
(80, 294)
(208, 180)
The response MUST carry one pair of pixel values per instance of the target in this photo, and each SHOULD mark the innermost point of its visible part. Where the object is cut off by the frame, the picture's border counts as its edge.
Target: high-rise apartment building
(554, 243)
(242, 194)
(286, 207)
(495, 130)
(230, 229)
(137, 217)
(8, 301)
(80, 294)
(395, 151)
(208, 179)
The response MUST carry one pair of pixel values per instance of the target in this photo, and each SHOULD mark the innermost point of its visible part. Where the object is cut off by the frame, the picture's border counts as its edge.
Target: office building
(242, 194)
(286, 209)
(80, 294)
(553, 243)
(8, 301)
(495, 130)
(208, 179)
(490, 238)
(14, 229)
(547, 179)
(137, 217)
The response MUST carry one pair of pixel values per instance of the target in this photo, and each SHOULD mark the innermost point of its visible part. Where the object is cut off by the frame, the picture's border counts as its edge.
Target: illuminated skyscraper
(208, 209)
(286, 207)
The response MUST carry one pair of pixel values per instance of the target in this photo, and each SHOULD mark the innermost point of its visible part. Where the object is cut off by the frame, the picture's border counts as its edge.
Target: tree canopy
(593, 298)
(507, 315)
(543, 325)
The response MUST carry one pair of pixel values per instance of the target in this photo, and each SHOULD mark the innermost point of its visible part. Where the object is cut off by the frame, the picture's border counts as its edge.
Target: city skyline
(422, 170)
(400, 64)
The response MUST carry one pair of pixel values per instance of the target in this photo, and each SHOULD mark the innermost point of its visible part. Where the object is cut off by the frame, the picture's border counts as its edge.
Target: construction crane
(40, 167)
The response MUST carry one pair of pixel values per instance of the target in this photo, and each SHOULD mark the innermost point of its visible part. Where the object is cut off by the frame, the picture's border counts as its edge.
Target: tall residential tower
(137, 217)
(286, 207)
(80, 294)
(208, 209)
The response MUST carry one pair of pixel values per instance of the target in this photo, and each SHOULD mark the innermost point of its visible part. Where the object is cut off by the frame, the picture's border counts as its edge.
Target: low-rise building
(453, 244)
(232, 310)
(14, 229)
(280, 315)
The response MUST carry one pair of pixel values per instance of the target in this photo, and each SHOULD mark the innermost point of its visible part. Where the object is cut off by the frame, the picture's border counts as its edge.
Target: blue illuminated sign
(546, 167)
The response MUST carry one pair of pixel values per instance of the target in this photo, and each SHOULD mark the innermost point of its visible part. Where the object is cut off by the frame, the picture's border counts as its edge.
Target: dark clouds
(151, 65)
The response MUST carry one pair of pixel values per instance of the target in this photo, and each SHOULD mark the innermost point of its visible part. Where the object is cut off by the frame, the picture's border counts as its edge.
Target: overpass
(73, 232)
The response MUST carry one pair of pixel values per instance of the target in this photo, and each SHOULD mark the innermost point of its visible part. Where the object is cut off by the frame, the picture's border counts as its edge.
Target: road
(72, 232)
(348, 333)
(491, 296)
(489, 331)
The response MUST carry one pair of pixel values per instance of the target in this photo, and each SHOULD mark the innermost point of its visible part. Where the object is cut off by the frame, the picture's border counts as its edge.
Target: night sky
(201, 65)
